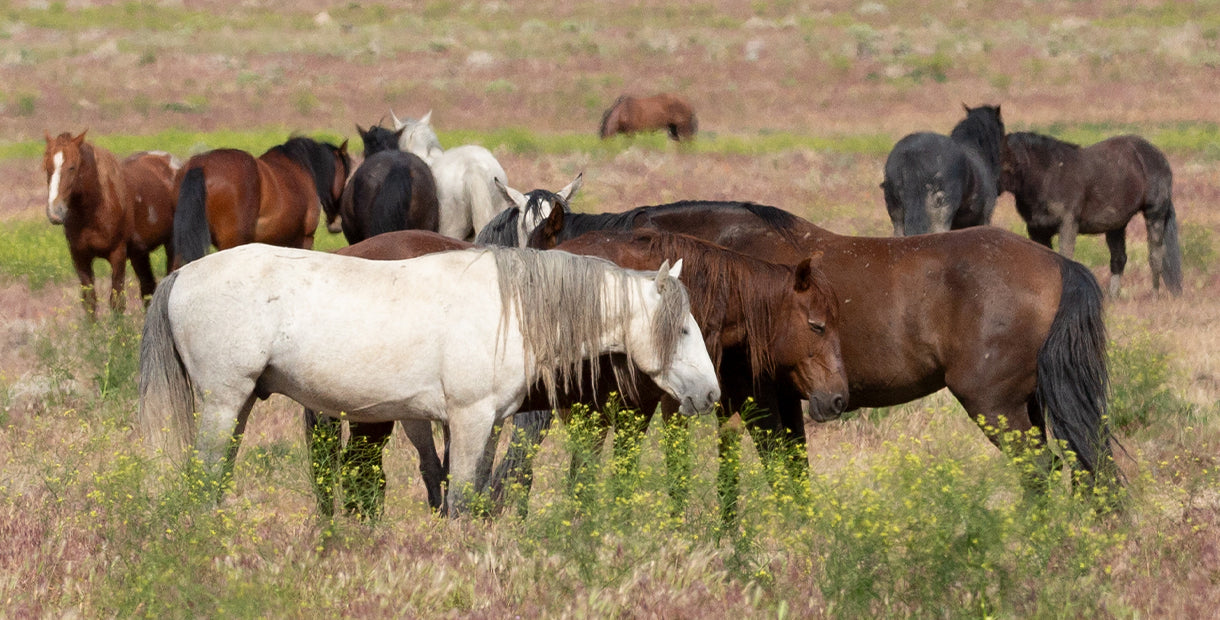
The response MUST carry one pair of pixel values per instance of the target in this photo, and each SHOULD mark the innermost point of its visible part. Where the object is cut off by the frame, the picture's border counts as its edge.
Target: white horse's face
(690, 376)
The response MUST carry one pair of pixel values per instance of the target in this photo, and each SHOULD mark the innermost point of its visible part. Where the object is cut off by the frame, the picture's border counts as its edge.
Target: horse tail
(166, 396)
(610, 122)
(1072, 376)
(191, 231)
(1171, 266)
(908, 199)
(391, 204)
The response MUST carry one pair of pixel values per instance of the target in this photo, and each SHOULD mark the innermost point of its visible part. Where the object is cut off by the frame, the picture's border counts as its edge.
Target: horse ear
(676, 270)
(965, 107)
(554, 222)
(397, 123)
(566, 192)
(343, 147)
(426, 119)
(513, 196)
(48, 136)
(804, 276)
(79, 140)
(661, 273)
(360, 130)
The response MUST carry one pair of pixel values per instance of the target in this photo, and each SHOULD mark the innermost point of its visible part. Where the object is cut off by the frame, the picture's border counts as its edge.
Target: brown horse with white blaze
(110, 210)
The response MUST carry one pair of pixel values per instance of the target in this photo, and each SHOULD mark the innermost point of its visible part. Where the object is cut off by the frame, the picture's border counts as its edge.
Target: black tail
(191, 233)
(1072, 376)
(391, 203)
(1171, 268)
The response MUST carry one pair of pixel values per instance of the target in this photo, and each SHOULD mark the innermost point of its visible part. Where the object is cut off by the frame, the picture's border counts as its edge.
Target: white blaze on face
(56, 173)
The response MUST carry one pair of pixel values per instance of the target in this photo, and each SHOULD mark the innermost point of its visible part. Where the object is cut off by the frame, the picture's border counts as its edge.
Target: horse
(389, 191)
(228, 197)
(1015, 331)
(109, 209)
(769, 322)
(465, 178)
(461, 337)
(377, 139)
(935, 183)
(1061, 188)
(509, 227)
(628, 115)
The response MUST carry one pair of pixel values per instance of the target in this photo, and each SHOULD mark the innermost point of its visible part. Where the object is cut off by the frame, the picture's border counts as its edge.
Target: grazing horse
(629, 115)
(1061, 188)
(389, 191)
(511, 226)
(228, 197)
(935, 183)
(1014, 331)
(465, 178)
(461, 336)
(768, 322)
(110, 210)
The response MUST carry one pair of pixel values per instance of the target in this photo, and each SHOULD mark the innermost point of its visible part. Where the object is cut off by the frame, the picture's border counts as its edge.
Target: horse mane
(565, 302)
(318, 158)
(982, 130)
(501, 229)
(1037, 152)
(605, 129)
(779, 220)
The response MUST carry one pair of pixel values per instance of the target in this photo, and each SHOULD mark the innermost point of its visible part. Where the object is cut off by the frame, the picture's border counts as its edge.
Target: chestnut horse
(1015, 331)
(629, 115)
(228, 197)
(110, 210)
(1063, 189)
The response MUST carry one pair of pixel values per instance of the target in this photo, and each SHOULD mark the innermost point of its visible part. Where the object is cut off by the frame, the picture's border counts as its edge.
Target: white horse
(457, 337)
(465, 178)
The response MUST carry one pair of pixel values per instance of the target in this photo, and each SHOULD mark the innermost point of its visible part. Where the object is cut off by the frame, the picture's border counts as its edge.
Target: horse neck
(749, 318)
(89, 193)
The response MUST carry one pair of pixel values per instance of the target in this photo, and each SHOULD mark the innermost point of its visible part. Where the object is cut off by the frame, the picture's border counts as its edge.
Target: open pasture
(909, 511)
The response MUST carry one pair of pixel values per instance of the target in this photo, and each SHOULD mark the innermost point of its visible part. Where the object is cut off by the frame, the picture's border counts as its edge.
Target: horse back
(403, 244)
(288, 205)
(149, 176)
(233, 184)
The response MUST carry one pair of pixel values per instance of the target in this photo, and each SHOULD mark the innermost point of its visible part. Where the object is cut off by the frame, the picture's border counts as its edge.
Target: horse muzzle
(57, 211)
(692, 405)
(825, 406)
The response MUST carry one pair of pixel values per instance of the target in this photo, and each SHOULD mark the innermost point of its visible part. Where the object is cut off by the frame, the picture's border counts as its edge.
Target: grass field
(908, 511)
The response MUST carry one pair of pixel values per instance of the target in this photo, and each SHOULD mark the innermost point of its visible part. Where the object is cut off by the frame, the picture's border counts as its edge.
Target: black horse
(935, 183)
(391, 190)
(1061, 188)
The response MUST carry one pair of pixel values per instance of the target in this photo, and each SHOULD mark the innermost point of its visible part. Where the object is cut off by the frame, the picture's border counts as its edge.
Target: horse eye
(818, 328)
(685, 331)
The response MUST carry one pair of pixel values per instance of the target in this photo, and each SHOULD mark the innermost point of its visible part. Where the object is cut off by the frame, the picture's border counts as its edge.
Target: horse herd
(689, 306)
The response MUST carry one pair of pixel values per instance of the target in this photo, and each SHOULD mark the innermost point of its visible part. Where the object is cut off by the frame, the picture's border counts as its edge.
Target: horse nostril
(838, 404)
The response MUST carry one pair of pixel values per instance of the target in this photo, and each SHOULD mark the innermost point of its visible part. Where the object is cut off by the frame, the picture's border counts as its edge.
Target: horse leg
(222, 421)
(430, 468)
(324, 436)
(83, 264)
(780, 443)
(1156, 227)
(1041, 235)
(142, 266)
(517, 467)
(1117, 242)
(469, 432)
(118, 276)
(362, 472)
(586, 452)
(1067, 236)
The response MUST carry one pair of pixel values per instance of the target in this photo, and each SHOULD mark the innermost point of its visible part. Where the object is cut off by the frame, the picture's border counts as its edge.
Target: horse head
(537, 206)
(378, 138)
(61, 160)
(418, 137)
(805, 341)
(670, 347)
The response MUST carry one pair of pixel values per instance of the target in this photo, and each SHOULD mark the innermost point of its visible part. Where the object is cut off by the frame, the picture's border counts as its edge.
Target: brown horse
(629, 115)
(1063, 189)
(109, 210)
(767, 323)
(1014, 331)
(227, 197)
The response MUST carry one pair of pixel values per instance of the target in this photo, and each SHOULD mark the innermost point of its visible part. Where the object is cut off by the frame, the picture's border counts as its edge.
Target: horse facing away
(664, 111)
(1014, 331)
(377, 139)
(110, 210)
(465, 178)
(1063, 189)
(462, 336)
(935, 183)
(389, 191)
(227, 197)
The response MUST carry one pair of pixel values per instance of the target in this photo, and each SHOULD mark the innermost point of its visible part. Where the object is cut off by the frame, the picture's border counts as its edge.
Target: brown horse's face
(62, 161)
(806, 343)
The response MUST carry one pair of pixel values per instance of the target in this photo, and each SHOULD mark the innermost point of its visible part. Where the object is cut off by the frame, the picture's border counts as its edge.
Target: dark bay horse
(1063, 189)
(935, 183)
(390, 190)
(668, 112)
(228, 197)
(377, 139)
(110, 210)
(1014, 331)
